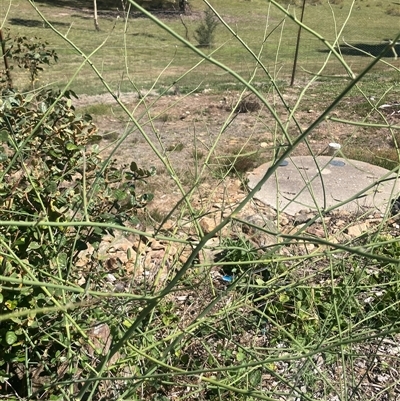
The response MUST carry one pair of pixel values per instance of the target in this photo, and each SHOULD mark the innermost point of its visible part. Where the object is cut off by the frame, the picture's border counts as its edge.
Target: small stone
(303, 217)
(110, 278)
(119, 287)
(153, 256)
(156, 245)
(317, 231)
(171, 251)
(139, 246)
(207, 224)
(340, 223)
(260, 236)
(84, 256)
(168, 225)
(357, 229)
(309, 247)
(283, 221)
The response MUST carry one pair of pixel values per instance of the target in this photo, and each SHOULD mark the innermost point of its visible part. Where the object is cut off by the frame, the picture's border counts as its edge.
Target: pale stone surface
(324, 182)
(357, 229)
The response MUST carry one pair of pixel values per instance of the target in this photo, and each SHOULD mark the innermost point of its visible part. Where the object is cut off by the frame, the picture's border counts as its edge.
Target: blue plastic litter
(228, 279)
(283, 163)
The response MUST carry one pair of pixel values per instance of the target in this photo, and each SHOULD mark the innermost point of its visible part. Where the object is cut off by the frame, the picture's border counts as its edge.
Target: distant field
(141, 54)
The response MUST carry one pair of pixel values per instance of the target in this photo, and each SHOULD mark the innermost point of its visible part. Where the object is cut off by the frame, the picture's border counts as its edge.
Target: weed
(175, 148)
(110, 135)
(247, 104)
(239, 255)
(45, 170)
(198, 154)
(238, 163)
(284, 324)
(393, 10)
(166, 117)
(156, 215)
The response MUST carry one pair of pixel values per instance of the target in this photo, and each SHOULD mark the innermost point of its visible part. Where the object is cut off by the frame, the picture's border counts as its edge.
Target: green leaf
(11, 337)
(283, 298)
(34, 245)
(1, 298)
(71, 146)
(11, 305)
(3, 135)
(119, 195)
(62, 260)
(134, 167)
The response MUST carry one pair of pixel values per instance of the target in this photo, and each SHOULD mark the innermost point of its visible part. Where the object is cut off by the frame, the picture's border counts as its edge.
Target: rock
(395, 206)
(208, 224)
(139, 246)
(168, 225)
(283, 220)
(357, 229)
(294, 230)
(317, 231)
(153, 256)
(116, 248)
(263, 236)
(110, 278)
(171, 251)
(303, 217)
(309, 247)
(156, 245)
(85, 256)
(185, 253)
(340, 223)
(101, 339)
(81, 281)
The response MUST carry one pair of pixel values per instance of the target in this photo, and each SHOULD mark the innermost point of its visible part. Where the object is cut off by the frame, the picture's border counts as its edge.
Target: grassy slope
(149, 49)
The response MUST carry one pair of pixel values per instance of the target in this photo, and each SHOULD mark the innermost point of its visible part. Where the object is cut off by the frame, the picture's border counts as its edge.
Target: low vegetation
(209, 295)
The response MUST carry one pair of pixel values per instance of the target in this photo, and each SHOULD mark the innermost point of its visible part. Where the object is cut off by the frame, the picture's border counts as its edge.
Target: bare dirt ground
(197, 130)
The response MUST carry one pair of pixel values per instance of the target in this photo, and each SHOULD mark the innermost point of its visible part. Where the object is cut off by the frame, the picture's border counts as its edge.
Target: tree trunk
(182, 6)
(96, 22)
(7, 67)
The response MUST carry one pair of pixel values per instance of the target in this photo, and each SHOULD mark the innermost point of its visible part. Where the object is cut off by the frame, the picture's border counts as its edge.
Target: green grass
(149, 49)
(96, 109)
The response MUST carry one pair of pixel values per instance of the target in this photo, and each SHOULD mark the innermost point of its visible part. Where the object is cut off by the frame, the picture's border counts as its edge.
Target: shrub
(47, 174)
(26, 53)
(205, 32)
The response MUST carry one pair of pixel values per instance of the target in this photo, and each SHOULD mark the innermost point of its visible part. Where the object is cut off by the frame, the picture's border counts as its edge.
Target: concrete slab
(298, 184)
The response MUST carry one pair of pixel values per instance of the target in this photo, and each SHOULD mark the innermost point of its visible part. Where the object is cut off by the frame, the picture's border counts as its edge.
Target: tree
(96, 22)
(205, 32)
(183, 4)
